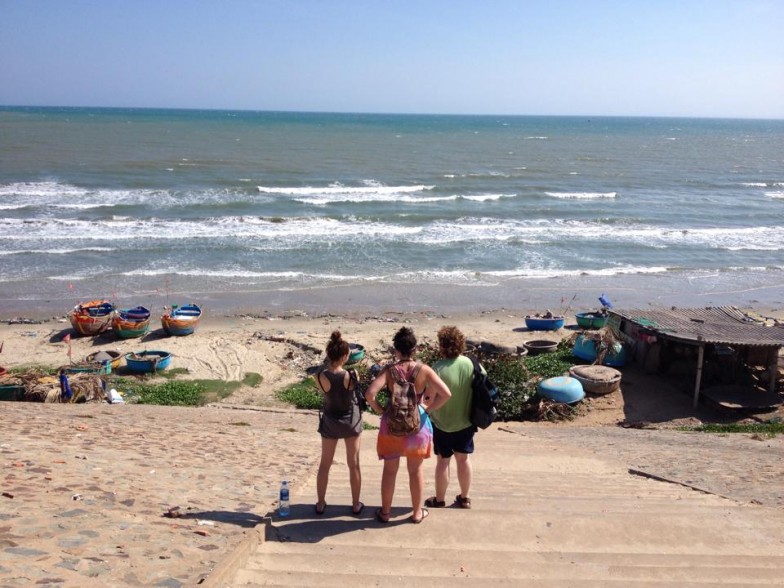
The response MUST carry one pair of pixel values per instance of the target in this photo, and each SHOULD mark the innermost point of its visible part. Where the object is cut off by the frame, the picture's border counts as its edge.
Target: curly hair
(405, 341)
(337, 347)
(451, 341)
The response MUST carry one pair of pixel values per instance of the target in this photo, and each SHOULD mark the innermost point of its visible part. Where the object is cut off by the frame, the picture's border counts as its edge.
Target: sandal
(463, 502)
(425, 514)
(434, 502)
(320, 510)
(381, 516)
(358, 511)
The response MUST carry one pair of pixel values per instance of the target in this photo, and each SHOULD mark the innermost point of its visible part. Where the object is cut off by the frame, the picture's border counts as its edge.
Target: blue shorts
(446, 444)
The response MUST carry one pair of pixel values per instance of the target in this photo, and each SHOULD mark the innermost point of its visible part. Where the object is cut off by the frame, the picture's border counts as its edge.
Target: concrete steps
(544, 515)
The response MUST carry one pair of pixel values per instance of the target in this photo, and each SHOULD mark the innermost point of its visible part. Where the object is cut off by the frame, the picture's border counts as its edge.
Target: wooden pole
(700, 360)
(773, 368)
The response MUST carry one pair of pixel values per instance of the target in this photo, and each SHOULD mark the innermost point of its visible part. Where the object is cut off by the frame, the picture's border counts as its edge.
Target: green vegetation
(34, 369)
(770, 429)
(178, 393)
(304, 394)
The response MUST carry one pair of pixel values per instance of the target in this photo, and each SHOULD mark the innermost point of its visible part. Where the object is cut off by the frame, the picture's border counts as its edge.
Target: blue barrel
(562, 389)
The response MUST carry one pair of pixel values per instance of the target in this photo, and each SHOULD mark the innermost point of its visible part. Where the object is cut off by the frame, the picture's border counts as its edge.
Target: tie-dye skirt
(419, 444)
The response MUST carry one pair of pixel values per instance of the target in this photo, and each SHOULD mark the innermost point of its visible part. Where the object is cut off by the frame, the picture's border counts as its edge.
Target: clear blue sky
(708, 58)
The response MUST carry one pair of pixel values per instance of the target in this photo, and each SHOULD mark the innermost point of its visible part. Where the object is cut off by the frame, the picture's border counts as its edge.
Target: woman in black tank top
(340, 418)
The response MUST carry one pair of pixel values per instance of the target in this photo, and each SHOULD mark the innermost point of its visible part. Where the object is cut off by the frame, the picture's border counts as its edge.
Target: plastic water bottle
(283, 501)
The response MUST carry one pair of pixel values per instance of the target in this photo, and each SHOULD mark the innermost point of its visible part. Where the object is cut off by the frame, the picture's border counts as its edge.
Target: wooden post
(773, 368)
(700, 359)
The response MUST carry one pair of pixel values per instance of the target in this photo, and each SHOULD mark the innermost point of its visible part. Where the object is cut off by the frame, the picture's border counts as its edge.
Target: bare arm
(437, 390)
(374, 388)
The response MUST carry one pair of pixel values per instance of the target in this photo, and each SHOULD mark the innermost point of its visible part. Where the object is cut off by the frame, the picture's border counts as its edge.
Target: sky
(700, 58)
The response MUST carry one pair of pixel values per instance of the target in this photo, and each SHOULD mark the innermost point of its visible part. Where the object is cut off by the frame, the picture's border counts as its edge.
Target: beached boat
(132, 322)
(182, 320)
(106, 356)
(591, 320)
(92, 318)
(147, 361)
(561, 389)
(590, 348)
(544, 323)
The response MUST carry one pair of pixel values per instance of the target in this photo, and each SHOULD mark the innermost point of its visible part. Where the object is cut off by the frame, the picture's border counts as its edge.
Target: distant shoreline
(561, 296)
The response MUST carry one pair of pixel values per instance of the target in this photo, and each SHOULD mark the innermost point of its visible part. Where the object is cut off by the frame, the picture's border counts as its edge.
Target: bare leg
(322, 478)
(465, 473)
(388, 476)
(354, 473)
(416, 483)
(442, 476)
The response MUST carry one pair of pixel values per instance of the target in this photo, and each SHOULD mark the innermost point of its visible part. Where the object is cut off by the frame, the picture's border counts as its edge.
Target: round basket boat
(538, 323)
(597, 379)
(585, 348)
(562, 389)
(590, 320)
(356, 352)
(539, 346)
(107, 356)
(147, 361)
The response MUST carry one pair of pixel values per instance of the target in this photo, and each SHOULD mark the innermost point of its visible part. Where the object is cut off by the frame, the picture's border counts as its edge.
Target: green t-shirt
(457, 373)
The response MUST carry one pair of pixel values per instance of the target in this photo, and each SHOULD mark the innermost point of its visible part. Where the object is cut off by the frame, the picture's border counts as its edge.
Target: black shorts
(446, 444)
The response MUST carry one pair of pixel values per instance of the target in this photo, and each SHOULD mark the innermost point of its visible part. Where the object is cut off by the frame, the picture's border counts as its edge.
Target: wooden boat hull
(147, 361)
(181, 321)
(92, 318)
(131, 323)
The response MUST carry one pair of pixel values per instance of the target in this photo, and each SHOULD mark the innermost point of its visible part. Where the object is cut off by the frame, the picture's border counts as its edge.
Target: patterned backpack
(402, 411)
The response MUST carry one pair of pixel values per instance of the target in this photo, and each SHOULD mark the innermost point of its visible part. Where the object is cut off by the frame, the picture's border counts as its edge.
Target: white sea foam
(254, 231)
(59, 251)
(754, 184)
(775, 194)
(338, 189)
(582, 195)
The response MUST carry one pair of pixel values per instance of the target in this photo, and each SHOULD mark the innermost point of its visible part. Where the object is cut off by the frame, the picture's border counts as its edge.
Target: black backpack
(484, 403)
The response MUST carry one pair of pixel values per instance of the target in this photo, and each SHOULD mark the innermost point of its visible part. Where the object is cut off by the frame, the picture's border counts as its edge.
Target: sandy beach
(131, 495)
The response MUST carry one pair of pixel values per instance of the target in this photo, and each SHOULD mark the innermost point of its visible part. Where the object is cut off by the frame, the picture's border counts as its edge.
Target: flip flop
(358, 512)
(320, 511)
(425, 514)
(381, 516)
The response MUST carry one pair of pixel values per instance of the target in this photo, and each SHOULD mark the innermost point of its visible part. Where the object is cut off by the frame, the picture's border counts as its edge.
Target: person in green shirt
(453, 433)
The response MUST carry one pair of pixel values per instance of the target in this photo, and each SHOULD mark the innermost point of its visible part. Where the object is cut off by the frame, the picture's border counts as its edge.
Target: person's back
(458, 374)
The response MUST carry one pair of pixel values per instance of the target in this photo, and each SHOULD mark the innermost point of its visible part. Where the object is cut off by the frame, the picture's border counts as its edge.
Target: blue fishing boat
(181, 320)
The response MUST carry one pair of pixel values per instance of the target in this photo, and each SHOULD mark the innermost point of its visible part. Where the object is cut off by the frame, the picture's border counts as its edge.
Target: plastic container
(284, 508)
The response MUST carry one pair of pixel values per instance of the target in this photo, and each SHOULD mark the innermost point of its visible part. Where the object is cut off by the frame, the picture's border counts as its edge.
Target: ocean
(273, 211)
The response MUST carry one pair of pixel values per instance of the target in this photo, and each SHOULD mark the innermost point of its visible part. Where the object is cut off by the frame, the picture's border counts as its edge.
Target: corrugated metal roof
(724, 325)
